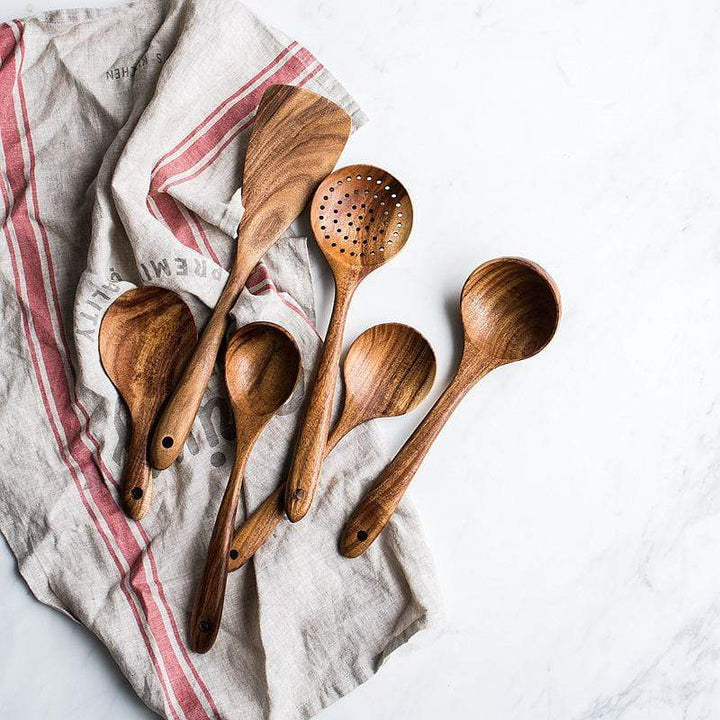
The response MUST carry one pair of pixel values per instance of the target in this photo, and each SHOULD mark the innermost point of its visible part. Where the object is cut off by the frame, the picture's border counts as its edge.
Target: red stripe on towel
(163, 640)
(205, 149)
(9, 137)
(187, 229)
(224, 104)
(235, 115)
(52, 362)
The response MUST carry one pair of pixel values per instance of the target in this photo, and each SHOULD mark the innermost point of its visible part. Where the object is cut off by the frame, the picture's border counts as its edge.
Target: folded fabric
(122, 134)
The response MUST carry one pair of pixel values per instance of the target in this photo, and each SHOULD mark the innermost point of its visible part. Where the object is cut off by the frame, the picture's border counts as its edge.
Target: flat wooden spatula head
(296, 140)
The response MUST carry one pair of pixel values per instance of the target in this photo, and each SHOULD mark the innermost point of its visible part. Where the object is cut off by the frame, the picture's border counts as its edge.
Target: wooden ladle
(510, 310)
(146, 336)
(388, 371)
(262, 364)
(295, 142)
(361, 217)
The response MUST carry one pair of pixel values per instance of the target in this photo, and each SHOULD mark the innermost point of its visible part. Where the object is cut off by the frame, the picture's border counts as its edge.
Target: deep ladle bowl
(510, 309)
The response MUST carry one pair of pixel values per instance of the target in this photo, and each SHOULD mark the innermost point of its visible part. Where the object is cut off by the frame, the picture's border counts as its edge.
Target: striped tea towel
(122, 134)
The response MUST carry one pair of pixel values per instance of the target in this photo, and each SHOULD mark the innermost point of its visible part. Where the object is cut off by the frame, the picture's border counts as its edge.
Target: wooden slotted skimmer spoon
(146, 336)
(295, 142)
(262, 364)
(361, 217)
(510, 310)
(388, 371)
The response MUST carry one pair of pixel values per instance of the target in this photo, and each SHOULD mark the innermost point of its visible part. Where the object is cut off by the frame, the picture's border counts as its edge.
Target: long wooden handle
(310, 447)
(137, 476)
(255, 531)
(177, 418)
(207, 610)
(376, 508)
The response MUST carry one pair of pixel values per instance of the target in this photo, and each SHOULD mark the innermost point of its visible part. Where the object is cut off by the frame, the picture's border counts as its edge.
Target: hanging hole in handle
(205, 625)
(362, 536)
(167, 442)
(234, 554)
(136, 493)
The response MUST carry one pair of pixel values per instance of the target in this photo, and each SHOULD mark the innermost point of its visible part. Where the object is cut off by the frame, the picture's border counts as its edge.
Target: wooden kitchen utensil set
(296, 140)
(361, 216)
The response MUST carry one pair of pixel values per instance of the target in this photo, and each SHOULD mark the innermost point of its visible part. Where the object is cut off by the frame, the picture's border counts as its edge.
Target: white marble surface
(573, 502)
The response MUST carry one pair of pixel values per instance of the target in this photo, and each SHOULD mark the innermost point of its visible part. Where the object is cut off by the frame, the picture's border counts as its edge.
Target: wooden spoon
(296, 141)
(146, 336)
(262, 364)
(510, 310)
(388, 371)
(361, 217)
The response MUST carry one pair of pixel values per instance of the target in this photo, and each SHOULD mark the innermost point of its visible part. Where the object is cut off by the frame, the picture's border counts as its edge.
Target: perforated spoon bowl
(510, 310)
(388, 371)
(361, 217)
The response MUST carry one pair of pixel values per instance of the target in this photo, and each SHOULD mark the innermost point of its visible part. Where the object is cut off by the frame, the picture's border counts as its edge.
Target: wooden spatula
(296, 141)
(146, 336)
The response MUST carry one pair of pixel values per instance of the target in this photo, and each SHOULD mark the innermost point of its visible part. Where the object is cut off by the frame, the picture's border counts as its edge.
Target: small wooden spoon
(510, 310)
(361, 217)
(146, 336)
(262, 364)
(388, 371)
(296, 141)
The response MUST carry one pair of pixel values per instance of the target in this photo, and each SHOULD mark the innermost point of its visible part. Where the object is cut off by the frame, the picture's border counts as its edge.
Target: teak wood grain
(510, 310)
(146, 336)
(361, 216)
(388, 371)
(262, 364)
(295, 142)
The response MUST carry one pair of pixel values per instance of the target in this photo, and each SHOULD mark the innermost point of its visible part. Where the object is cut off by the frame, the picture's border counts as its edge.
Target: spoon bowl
(388, 371)
(361, 216)
(262, 364)
(510, 309)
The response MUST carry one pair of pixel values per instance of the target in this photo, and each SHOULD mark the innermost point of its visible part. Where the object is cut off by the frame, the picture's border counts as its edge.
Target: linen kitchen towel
(122, 135)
